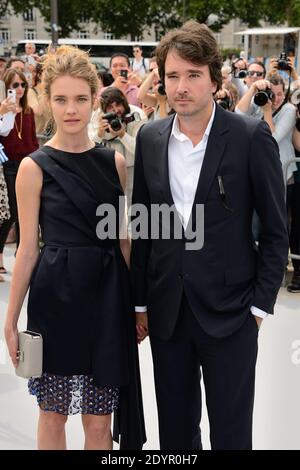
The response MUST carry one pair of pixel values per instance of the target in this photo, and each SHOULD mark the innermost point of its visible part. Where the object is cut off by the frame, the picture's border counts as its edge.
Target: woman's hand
(141, 326)
(6, 106)
(12, 341)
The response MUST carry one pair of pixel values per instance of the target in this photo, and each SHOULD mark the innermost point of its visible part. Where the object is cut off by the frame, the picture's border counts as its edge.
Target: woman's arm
(124, 238)
(28, 189)
(149, 99)
(285, 123)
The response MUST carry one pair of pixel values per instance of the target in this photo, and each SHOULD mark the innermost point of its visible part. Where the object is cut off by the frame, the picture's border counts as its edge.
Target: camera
(240, 73)
(282, 62)
(124, 73)
(131, 117)
(114, 121)
(236, 72)
(261, 97)
(295, 99)
(161, 89)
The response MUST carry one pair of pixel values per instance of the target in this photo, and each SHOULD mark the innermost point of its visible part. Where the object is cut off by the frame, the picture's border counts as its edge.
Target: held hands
(141, 326)
(12, 341)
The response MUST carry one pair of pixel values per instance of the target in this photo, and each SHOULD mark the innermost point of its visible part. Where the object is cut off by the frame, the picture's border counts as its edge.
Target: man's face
(255, 72)
(117, 108)
(188, 86)
(118, 63)
(278, 96)
(137, 53)
(29, 48)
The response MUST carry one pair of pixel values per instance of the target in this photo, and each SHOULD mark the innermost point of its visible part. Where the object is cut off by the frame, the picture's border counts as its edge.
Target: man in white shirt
(205, 302)
(140, 65)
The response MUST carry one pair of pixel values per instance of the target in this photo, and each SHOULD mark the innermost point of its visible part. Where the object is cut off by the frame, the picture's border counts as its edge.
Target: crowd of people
(171, 129)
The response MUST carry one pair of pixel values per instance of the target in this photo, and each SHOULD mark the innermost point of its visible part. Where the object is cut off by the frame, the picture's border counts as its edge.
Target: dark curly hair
(113, 95)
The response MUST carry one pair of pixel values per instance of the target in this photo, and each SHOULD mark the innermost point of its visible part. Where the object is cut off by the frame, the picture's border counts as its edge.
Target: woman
(37, 104)
(79, 285)
(7, 111)
(19, 143)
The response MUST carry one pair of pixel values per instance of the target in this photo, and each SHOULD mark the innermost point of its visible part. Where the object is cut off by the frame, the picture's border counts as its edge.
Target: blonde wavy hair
(71, 61)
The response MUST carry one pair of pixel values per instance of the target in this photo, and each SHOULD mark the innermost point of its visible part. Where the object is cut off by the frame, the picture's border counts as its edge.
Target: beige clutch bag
(30, 355)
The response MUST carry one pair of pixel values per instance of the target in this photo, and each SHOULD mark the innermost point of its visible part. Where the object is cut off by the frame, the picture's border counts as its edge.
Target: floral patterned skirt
(69, 395)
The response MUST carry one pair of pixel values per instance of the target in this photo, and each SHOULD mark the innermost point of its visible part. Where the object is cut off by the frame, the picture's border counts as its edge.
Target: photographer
(152, 93)
(129, 117)
(294, 285)
(279, 114)
(284, 66)
(243, 75)
(227, 97)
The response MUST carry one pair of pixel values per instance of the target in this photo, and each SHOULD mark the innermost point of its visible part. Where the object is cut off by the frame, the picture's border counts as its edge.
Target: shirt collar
(176, 132)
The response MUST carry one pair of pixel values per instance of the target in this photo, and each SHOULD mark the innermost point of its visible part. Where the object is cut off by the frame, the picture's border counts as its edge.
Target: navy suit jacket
(229, 274)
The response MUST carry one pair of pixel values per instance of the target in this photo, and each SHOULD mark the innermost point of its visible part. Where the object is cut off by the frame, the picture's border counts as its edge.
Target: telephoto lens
(261, 97)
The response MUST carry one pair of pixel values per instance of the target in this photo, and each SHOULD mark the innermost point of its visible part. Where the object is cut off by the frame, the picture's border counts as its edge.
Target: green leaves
(134, 17)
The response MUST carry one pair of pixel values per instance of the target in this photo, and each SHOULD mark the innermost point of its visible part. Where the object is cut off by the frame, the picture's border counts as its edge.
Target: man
(140, 65)
(205, 304)
(255, 71)
(122, 140)
(124, 80)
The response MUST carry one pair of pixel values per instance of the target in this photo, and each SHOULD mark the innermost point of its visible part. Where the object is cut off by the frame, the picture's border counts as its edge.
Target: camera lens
(116, 125)
(242, 74)
(261, 97)
(161, 89)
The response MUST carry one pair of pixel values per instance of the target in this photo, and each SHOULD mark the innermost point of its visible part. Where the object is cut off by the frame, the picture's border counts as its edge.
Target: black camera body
(114, 121)
(161, 89)
(295, 99)
(240, 73)
(282, 62)
(263, 96)
(131, 117)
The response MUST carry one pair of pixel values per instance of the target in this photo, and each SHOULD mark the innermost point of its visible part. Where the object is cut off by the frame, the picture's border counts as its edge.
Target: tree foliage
(134, 17)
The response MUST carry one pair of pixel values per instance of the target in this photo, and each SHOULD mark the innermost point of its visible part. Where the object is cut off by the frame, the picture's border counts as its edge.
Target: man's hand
(258, 321)
(119, 133)
(121, 83)
(134, 79)
(103, 127)
(141, 326)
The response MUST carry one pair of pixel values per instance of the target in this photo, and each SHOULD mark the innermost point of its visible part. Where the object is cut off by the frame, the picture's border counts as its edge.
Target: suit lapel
(161, 150)
(213, 155)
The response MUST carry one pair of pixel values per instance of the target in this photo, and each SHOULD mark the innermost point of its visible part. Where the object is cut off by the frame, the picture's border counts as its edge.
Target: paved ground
(277, 406)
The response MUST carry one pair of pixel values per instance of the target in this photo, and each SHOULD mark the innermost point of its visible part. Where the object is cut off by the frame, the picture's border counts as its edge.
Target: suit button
(180, 276)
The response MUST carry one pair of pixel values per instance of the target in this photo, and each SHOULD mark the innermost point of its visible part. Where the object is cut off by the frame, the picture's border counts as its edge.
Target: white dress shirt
(185, 163)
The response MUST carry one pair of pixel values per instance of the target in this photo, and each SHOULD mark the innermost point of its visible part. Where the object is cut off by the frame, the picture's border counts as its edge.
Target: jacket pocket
(239, 275)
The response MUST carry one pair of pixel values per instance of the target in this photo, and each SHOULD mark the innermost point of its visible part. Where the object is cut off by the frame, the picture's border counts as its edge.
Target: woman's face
(278, 96)
(19, 85)
(71, 104)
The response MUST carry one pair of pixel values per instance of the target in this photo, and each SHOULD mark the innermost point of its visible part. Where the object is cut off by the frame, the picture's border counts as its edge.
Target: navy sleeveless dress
(79, 298)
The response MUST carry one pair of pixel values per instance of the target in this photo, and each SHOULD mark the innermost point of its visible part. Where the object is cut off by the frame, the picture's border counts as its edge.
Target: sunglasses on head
(16, 85)
(251, 73)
